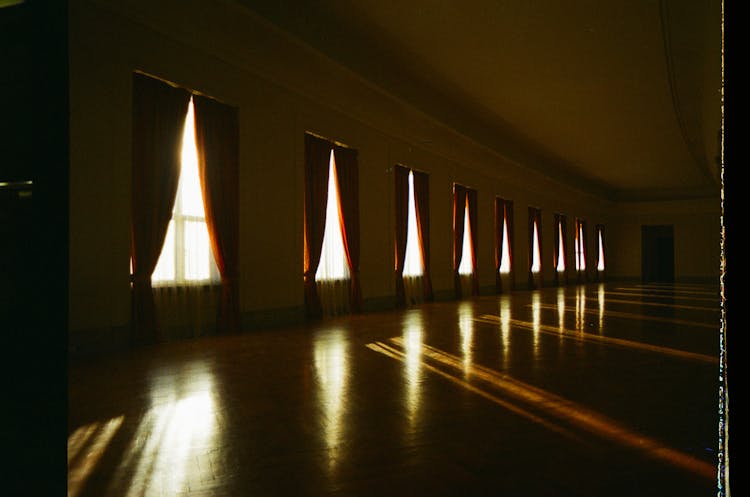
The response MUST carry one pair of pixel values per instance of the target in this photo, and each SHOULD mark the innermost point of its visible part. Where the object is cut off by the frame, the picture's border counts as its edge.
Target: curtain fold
(422, 201)
(401, 209)
(459, 204)
(317, 155)
(499, 226)
(159, 112)
(347, 171)
(217, 137)
(471, 200)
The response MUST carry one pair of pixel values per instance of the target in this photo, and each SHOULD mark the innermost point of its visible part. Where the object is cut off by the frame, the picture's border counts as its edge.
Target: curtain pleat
(422, 201)
(401, 209)
(348, 181)
(317, 155)
(217, 137)
(159, 112)
(471, 198)
(459, 204)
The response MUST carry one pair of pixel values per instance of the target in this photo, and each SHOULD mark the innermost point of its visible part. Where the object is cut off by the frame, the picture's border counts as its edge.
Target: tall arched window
(333, 264)
(561, 258)
(581, 249)
(535, 248)
(186, 256)
(331, 228)
(560, 248)
(413, 264)
(465, 241)
(505, 247)
(600, 264)
(184, 210)
(465, 267)
(536, 258)
(503, 244)
(412, 236)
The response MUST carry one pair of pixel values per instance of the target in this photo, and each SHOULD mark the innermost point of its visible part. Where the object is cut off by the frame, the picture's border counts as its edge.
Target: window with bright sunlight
(560, 248)
(505, 249)
(600, 242)
(465, 266)
(186, 255)
(333, 264)
(580, 249)
(413, 265)
(536, 264)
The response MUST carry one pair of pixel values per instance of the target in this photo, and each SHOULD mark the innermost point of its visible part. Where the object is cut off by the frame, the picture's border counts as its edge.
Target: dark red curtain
(317, 156)
(471, 200)
(159, 111)
(459, 204)
(535, 217)
(499, 226)
(401, 209)
(217, 137)
(422, 201)
(347, 172)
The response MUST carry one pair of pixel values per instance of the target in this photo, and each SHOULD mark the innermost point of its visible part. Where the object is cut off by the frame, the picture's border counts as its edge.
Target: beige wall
(697, 237)
(282, 89)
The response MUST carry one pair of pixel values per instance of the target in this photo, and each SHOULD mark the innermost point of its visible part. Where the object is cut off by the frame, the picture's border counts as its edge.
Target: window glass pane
(186, 254)
(196, 250)
(413, 265)
(165, 270)
(600, 267)
(465, 266)
(333, 264)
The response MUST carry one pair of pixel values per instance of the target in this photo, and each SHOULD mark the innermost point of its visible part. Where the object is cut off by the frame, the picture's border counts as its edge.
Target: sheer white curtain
(413, 264)
(332, 277)
(186, 279)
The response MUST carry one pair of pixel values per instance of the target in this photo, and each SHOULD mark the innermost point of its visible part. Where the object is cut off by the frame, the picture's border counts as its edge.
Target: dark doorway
(657, 254)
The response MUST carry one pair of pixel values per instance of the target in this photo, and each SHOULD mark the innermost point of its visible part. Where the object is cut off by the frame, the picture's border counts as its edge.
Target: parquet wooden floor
(592, 390)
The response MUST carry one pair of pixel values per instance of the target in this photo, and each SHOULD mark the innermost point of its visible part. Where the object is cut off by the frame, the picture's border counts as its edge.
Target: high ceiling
(620, 98)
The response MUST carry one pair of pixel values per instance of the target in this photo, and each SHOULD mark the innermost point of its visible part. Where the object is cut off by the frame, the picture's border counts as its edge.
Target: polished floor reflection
(586, 390)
